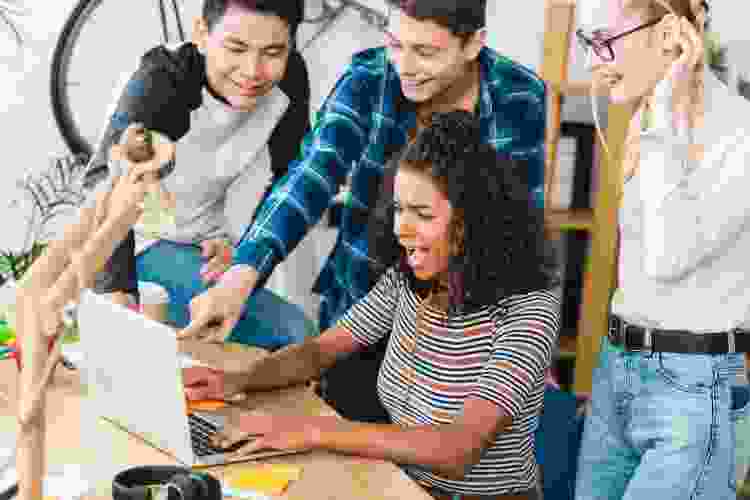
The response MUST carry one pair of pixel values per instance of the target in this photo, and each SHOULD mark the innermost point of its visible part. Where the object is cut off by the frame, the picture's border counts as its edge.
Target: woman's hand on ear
(681, 72)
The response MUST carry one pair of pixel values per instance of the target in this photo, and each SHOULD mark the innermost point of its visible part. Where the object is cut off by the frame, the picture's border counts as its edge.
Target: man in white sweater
(236, 102)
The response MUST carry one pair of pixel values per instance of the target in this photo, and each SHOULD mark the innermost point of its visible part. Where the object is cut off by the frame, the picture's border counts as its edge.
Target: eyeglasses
(602, 47)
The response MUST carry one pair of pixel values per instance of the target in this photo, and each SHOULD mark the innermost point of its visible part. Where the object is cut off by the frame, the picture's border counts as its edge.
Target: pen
(10, 492)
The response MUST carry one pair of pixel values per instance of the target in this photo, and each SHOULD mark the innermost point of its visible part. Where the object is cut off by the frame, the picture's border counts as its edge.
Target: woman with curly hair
(464, 290)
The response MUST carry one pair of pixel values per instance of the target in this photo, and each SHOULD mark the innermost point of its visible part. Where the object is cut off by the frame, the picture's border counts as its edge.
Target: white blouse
(684, 242)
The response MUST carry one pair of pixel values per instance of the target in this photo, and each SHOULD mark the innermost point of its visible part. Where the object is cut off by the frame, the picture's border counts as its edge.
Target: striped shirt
(363, 122)
(498, 353)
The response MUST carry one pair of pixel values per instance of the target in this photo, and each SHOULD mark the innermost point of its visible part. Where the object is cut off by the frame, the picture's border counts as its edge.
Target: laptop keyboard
(201, 431)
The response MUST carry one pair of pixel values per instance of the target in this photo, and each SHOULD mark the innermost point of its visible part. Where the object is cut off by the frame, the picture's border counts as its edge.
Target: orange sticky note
(205, 405)
(268, 479)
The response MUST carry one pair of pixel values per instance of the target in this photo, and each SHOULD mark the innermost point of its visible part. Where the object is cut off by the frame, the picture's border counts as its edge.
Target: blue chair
(558, 441)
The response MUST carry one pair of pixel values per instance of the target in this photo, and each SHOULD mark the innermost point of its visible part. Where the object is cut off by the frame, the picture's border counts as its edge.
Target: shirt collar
(486, 105)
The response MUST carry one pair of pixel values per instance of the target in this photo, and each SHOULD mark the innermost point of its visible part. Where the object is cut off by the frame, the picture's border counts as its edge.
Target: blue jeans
(659, 428)
(267, 321)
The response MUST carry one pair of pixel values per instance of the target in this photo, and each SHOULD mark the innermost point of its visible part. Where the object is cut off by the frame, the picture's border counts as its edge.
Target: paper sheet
(66, 485)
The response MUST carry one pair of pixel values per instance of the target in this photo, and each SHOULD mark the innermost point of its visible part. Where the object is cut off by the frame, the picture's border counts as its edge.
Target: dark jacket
(161, 94)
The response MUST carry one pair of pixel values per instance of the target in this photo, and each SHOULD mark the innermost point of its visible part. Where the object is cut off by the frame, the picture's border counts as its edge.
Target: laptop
(133, 371)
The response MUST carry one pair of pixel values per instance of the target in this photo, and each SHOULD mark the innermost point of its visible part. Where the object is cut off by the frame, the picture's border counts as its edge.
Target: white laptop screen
(133, 371)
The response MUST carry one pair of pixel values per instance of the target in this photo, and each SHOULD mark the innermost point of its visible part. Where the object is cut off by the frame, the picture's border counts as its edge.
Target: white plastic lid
(152, 293)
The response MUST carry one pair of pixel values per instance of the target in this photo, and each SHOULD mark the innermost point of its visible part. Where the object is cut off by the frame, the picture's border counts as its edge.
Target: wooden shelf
(601, 221)
(570, 220)
(580, 88)
(573, 89)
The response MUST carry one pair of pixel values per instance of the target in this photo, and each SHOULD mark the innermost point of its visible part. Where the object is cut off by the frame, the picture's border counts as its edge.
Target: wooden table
(76, 436)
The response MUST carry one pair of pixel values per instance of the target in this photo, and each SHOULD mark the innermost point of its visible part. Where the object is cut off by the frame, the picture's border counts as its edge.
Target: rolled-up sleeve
(371, 319)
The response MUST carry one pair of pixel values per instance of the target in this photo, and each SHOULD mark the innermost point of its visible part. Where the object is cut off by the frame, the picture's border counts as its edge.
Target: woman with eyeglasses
(660, 419)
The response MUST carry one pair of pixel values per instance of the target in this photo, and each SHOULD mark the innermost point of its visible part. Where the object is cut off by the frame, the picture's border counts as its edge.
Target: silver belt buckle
(648, 341)
(613, 333)
(731, 341)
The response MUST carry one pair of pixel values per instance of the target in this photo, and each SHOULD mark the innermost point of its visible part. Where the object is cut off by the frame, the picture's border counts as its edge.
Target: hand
(680, 78)
(213, 315)
(264, 431)
(206, 383)
(215, 312)
(130, 188)
(220, 255)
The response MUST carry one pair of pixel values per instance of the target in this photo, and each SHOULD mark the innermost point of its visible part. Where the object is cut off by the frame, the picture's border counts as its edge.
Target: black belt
(638, 338)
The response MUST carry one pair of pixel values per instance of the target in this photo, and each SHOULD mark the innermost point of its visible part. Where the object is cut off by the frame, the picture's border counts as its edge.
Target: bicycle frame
(163, 16)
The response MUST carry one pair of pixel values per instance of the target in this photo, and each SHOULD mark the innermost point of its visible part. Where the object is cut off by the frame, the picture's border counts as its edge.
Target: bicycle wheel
(97, 47)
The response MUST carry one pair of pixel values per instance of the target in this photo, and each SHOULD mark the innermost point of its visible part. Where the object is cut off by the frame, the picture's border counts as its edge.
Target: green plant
(14, 265)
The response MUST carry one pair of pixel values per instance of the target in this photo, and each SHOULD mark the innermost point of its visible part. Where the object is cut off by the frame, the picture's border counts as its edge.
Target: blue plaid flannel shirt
(362, 122)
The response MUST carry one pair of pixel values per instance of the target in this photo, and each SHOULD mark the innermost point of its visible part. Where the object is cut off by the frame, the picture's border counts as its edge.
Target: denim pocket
(692, 373)
(739, 428)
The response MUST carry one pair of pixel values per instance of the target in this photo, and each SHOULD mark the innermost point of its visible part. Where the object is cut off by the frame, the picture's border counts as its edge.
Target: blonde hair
(695, 12)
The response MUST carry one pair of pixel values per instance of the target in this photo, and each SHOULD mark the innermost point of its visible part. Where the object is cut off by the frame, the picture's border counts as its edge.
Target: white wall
(31, 137)
(29, 134)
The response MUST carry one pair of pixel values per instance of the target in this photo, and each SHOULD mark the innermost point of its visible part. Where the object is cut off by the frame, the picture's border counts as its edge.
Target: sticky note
(206, 405)
(268, 479)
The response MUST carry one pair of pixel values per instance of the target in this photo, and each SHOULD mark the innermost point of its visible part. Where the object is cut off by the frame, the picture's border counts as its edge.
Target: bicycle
(78, 132)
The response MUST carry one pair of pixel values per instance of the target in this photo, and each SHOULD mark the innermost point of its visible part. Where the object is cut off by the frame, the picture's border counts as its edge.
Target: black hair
(291, 11)
(505, 247)
(462, 17)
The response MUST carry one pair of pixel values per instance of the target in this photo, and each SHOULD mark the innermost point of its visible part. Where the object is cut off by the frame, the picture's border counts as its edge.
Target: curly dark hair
(505, 250)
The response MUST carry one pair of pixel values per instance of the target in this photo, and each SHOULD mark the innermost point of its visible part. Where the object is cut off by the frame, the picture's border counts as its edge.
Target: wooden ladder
(600, 221)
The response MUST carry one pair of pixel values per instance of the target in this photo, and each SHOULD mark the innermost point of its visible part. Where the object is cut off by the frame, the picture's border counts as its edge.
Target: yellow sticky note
(267, 479)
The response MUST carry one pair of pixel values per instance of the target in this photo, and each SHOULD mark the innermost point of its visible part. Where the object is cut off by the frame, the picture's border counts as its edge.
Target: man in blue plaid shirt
(435, 59)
